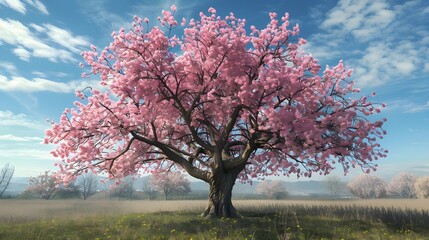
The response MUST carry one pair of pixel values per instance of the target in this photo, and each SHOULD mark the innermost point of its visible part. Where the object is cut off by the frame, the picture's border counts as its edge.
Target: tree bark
(220, 203)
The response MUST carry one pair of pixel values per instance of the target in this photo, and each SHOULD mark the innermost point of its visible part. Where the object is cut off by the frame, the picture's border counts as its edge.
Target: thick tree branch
(237, 161)
(235, 114)
(175, 157)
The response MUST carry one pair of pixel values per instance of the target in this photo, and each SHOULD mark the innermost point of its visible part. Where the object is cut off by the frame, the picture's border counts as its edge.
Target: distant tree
(368, 186)
(6, 174)
(403, 185)
(170, 183)
(43, 186)
(149, 189)
(87, 185)
(422, 187)
(272, 189)
(334, 186)
(67, 192)
(123, 189)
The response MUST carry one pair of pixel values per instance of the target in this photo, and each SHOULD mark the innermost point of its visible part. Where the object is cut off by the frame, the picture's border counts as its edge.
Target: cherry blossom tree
(43, 186)
(170, 183)
(222, 102)
(403, 185)
(368, 186)
(422, 187)
(272, 189)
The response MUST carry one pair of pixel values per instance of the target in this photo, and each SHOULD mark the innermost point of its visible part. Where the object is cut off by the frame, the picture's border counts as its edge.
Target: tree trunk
(220, 203)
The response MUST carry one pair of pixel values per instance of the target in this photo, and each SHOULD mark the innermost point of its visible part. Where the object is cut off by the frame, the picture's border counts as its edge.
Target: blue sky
(385, 42)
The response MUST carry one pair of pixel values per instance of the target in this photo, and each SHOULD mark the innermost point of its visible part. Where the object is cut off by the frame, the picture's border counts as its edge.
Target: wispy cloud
(48, 41)
(362, 18)
(13, 138)
(152, 9)
(419, 108)
(38, 5)
(48, 73)
(97, 11)
(22, 53)
(392, 50)
(20, 6)
(420, 167)
(426, 10)
(65, 38)
(407, 106)
(382, 62)
(26, 154)
(21, 84)
(8, 67)
(8, 118)
(16, 5)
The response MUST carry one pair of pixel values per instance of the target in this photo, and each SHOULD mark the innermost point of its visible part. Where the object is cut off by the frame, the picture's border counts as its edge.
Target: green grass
(258, 222)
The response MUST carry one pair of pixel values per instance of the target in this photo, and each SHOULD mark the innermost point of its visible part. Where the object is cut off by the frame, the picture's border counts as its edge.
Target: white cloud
(8, 67)
(35, 85)
(13, 138)
(66, 38)
(58, 44)
(383, 62)
(39, 74)
(383, 42)
(36, 27)
(362, 18)
(19, 6)
(15, 33)
(38, 5)
(26, 154)
(22, 53)
(8, 118)
(21, 84)
(16, 5)
(48, 73)
(326, 51)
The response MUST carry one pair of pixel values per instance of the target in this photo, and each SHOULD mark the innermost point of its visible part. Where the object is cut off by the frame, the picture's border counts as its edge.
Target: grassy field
(261, 219)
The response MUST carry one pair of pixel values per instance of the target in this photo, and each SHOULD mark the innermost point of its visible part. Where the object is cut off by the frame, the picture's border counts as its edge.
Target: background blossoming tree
(422, 187)
(43, 186)
(170, 183)
(403, 185)
(368, 186)
(272, 189)
(220, 102)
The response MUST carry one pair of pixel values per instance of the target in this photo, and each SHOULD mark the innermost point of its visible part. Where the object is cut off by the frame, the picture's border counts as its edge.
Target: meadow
(261, 219)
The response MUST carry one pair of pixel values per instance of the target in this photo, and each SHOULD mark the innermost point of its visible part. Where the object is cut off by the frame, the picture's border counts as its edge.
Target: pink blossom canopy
(221, 95)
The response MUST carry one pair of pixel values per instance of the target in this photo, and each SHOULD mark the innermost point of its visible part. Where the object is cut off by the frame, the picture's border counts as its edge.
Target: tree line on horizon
(168, 184)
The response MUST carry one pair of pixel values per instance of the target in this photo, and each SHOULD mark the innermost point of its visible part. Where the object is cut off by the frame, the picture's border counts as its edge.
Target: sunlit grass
(182, 220)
